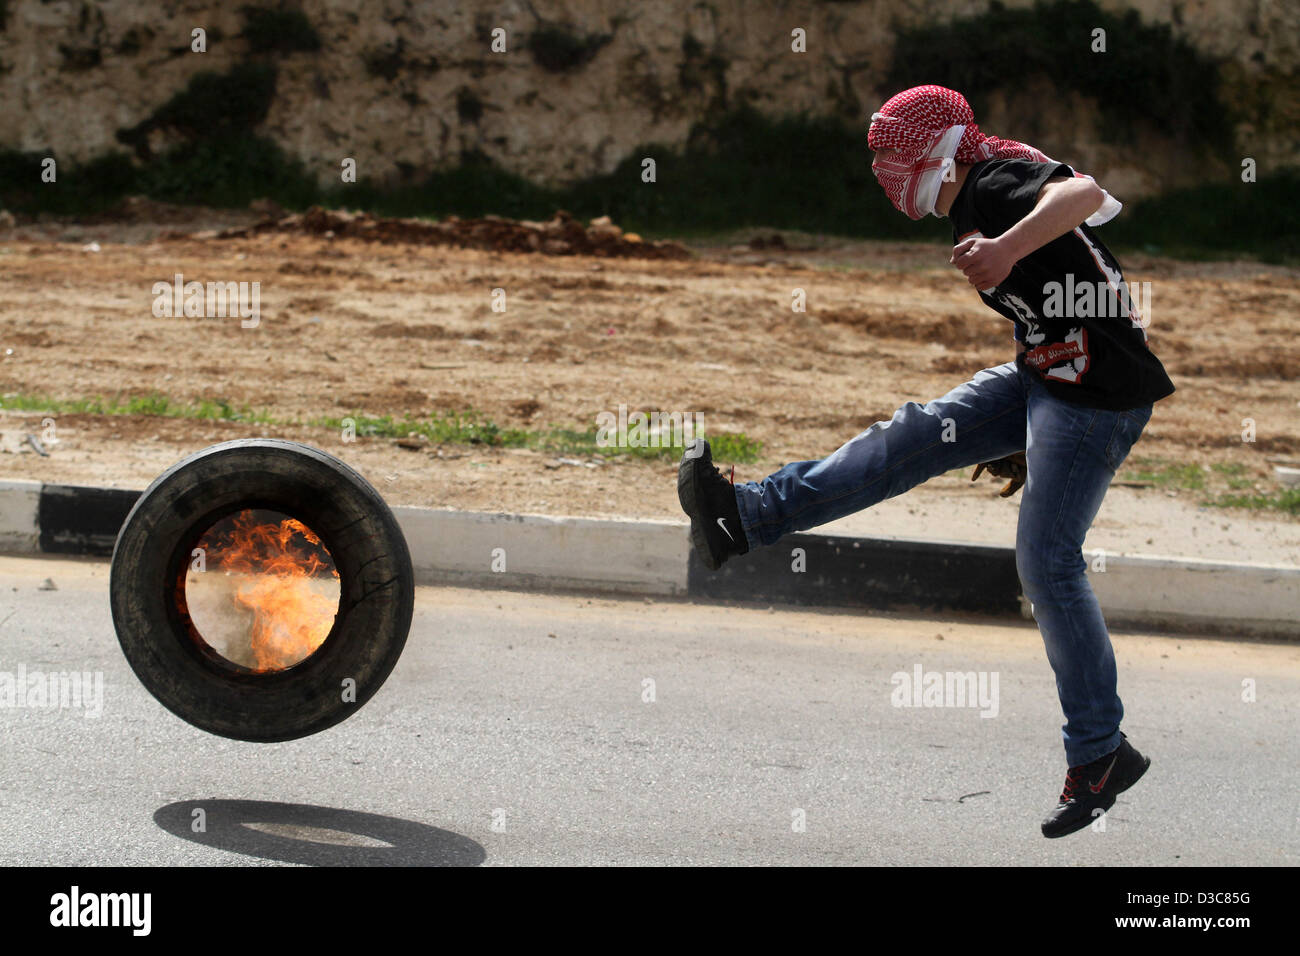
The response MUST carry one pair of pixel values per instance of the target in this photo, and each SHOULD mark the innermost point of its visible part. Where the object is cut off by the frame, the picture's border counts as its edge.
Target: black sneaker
(709, 500)
(1093, 787)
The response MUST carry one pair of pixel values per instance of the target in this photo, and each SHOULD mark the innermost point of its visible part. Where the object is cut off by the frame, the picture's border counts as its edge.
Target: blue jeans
(1072, 453)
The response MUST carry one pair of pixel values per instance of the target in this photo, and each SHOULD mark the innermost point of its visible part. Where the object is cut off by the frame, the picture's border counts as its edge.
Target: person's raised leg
(980, 420)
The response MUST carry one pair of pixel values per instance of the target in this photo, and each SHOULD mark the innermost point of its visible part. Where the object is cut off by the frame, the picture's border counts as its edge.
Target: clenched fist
(984, 262)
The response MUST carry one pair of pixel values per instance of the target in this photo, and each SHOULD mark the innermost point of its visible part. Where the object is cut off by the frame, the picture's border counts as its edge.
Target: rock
(602, 230)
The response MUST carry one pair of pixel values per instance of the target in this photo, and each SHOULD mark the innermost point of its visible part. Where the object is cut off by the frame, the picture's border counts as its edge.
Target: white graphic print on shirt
(1065, 361)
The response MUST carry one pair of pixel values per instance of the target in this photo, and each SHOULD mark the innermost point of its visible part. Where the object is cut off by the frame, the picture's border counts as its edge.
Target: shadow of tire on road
(315, 836)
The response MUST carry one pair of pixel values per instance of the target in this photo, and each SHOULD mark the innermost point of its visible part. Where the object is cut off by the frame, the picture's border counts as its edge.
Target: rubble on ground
(562, 235)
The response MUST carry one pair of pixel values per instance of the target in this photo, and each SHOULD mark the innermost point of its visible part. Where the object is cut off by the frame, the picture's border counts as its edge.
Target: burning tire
(261, 590)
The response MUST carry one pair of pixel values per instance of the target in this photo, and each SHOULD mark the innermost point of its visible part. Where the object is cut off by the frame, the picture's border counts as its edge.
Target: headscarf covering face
(932, 128)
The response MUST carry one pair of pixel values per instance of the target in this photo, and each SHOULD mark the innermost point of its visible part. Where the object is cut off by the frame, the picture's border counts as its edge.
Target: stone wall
(404, 87)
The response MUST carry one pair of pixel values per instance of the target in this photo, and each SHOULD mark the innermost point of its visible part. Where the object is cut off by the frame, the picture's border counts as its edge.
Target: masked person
(1060, 418)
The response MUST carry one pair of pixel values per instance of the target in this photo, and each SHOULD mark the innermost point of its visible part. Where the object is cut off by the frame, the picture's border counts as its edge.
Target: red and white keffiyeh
(933, 127)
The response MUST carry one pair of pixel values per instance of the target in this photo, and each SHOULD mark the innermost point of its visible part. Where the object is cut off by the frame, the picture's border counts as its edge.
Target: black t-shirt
(1082, 326)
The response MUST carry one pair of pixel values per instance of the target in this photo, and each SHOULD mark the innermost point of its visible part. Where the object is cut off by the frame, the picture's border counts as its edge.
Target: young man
(1060, 418)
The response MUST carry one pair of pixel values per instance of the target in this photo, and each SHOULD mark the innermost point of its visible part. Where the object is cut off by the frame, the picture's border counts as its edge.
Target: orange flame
(291, 617)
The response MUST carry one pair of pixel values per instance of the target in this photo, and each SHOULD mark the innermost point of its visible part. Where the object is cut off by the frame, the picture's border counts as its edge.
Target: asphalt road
(516, 730)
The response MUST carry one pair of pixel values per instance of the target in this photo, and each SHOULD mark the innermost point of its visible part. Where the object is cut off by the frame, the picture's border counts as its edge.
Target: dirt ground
(351, 327)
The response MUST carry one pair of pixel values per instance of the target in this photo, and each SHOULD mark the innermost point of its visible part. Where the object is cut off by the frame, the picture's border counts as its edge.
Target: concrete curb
(478, 549)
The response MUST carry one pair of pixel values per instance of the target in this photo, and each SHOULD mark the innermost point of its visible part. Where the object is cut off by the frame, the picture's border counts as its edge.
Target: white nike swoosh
(722, 523)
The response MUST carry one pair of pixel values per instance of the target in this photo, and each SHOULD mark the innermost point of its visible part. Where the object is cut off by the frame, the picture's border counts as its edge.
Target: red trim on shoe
(1071, 781)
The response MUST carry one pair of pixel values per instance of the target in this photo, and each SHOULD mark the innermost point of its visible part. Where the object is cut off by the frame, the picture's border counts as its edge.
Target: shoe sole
(686, 497)
(1104, 807)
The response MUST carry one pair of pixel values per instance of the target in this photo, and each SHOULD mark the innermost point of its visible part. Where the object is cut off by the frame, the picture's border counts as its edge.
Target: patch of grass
(1286, 500)
(567, 442)
(1220, 485)
(228, 173)
(1215, 221)
(459, 428)
(1168, 474)
(737, 447)
(1235, 475)
(471, 428)
(448, 427)
(223, 173)
(475, 187)
(153, 403)
(89, 188)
